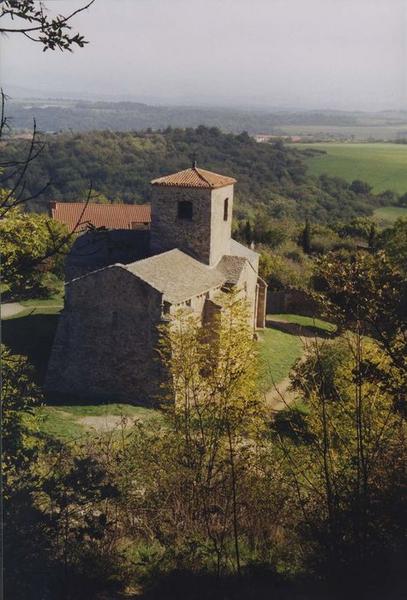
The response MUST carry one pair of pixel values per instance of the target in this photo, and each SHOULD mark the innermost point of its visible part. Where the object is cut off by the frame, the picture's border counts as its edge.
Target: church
(122, 284)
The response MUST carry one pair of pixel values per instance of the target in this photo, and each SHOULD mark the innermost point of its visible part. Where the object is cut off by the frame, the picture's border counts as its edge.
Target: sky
(309, 54)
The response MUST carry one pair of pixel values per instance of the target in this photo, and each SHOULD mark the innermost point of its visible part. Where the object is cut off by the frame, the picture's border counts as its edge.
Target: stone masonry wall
(105, 340)
(168, 231)
(221, 229)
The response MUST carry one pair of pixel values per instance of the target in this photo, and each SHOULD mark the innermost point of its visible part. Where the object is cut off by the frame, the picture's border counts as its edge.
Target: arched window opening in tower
(226, 209)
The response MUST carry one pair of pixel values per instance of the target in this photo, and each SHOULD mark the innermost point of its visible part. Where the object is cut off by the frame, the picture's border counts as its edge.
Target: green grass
(56, 301)
(382, 165)
(278, 353)
(311, 323)
(387, 215)
(63, 422)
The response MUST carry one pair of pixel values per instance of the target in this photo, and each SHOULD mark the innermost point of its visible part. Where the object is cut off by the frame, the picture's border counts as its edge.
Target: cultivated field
(382, 165)
(386, 215)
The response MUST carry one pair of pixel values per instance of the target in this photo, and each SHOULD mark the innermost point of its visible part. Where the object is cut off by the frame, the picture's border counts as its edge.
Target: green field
(382, 165)
(387, 215)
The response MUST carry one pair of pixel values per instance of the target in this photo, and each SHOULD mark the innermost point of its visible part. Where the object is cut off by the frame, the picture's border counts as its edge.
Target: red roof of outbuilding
(77, 215)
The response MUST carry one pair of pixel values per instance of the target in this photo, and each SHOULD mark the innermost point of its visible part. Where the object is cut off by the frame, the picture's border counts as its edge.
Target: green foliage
(394, 241)
(121, 165)
(352, 434)
(30, 18)
(204, 456)
(305, 238)
(358, 227)
(367, 293)
(31, 245)
(19, 396)
(281, 272)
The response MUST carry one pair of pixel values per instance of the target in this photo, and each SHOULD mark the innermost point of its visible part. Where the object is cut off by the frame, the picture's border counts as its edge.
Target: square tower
(192, 210)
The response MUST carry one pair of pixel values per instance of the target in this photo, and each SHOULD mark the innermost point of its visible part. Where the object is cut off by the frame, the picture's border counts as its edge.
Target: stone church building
(122, 284)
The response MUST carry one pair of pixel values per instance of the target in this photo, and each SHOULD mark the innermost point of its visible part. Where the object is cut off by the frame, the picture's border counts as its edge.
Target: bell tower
(192, 210)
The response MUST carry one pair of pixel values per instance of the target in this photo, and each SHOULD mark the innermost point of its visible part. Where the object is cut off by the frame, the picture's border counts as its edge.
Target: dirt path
(279, 396)
(9, 309)
(107, 422)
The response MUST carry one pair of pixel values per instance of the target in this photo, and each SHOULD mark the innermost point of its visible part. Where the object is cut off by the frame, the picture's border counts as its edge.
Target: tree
(372, 236)
(367, 293)
(346, 475)
(205, 454)
(360, 187)
(394, 242)
(305, 238)
(31, 245)
(31, 19)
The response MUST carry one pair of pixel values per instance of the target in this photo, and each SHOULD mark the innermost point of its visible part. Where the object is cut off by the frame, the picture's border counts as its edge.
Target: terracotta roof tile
(194, 178)
(111, 216)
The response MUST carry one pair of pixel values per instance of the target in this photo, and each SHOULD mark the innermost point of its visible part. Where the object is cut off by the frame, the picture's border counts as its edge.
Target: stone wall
(221, 230)
(168, 231)
(105, 340)
(248, 282)
(291, 301)
(207, 236)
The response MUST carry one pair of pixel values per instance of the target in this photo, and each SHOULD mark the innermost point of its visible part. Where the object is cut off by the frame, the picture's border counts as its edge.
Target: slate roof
(111, 216)
(237, 249)
(97, 249)
(194, 178)
(231, 267)
(176, 275)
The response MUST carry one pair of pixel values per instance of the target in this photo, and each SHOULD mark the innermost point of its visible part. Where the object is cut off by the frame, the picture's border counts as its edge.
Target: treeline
(63, 115)
(120, 166)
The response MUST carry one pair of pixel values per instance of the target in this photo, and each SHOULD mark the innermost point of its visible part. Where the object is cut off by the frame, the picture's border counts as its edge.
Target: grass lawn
(68, 423)
(278, 353)
(310, 323)
(382, 165)
(387, 215)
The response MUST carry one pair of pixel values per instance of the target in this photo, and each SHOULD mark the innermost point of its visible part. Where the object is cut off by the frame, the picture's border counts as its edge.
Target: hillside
(384, 166)
(54, 115)
(272, 177)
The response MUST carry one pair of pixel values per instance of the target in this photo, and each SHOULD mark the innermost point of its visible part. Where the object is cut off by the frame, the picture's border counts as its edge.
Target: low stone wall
(291, 301)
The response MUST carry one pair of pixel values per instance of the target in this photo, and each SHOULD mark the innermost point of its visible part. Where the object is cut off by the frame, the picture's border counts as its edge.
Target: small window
(185, 210)
(226, 209)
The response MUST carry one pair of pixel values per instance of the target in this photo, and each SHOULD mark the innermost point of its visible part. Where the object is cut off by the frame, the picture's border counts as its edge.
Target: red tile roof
(111, 216)
(194, 178)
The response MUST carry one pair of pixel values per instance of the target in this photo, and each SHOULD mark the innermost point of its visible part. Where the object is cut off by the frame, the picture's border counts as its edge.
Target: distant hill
(77, 115)
(271, 177)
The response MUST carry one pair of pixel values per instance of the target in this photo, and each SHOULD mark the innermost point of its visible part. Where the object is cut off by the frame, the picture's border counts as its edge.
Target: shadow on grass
(31, 336)
(296, 329)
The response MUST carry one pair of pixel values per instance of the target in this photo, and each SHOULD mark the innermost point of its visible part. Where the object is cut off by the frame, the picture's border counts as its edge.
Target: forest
(56, 114)
(271, 177)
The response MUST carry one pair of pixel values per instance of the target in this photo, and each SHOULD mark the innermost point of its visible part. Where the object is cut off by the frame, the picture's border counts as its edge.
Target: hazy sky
(348, 54)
